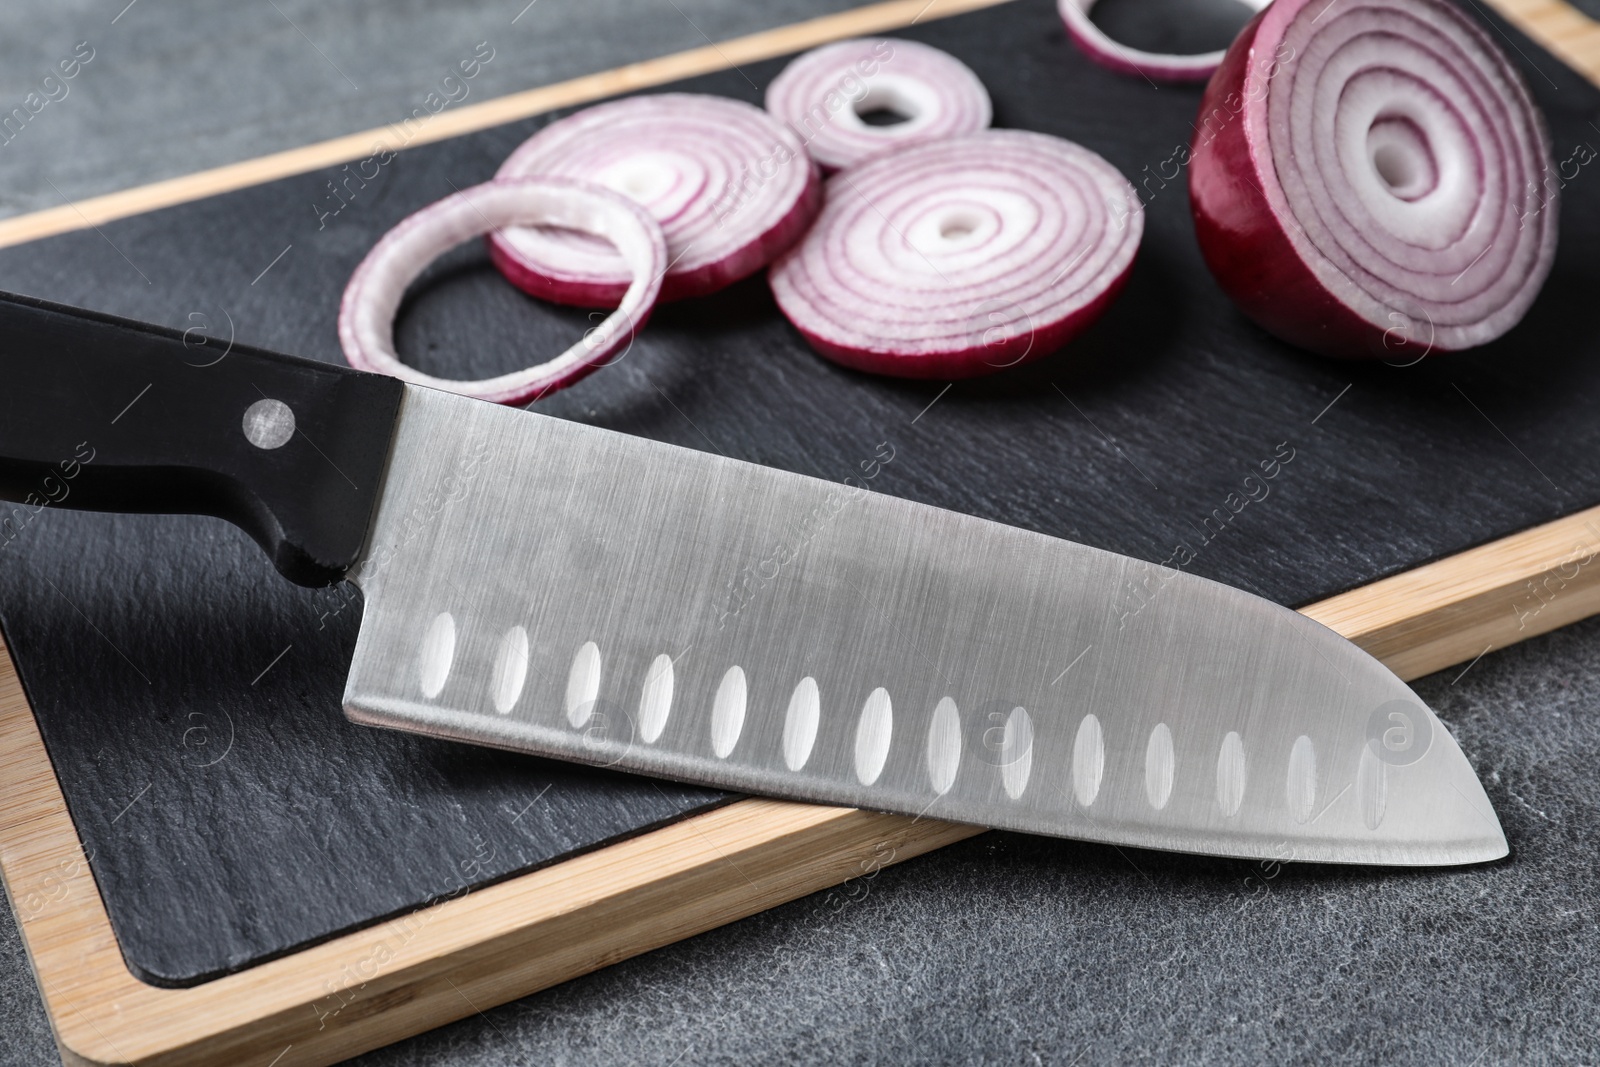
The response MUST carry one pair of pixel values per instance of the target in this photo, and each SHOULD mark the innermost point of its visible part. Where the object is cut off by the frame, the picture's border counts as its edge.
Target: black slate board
(189, 699)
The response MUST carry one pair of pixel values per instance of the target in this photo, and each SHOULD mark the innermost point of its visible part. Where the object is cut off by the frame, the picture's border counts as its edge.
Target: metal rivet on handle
(727, 712)
(510, 669)
(656, 701)
(583, 684)
(873, 732)
(438, 653)
(944, 746)
(268, 424)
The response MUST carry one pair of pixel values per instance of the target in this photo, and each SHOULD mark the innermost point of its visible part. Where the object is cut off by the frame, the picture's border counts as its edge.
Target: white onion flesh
(373, 296)
(824, 93)
(731, 187)
(1455, 255)
(963, 256)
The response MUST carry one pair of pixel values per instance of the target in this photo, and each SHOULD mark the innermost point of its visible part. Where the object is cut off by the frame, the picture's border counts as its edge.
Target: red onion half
(1119, 57)
(1370, 178)
(962, 257)
(730, 185)
(366, 315)
(823, 94)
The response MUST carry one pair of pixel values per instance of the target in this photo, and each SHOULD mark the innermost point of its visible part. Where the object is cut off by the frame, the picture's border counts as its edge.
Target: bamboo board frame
(469, 952)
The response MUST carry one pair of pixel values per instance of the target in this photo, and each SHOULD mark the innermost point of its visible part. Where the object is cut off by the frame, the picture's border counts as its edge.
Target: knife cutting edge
(554, 588)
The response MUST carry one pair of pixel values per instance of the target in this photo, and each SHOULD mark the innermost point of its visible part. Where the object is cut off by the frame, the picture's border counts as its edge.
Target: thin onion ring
(1156, 66)
(373, 296)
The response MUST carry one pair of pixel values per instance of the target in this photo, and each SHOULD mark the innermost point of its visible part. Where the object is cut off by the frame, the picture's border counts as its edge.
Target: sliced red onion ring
(366, 315)
(962, 257)
(1371, 178)
(823, 94)
(1119, 57)
(730, 185)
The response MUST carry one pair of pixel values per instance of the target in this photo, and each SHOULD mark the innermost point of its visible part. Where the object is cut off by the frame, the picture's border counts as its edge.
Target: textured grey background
(1005, 949)
(177, 86)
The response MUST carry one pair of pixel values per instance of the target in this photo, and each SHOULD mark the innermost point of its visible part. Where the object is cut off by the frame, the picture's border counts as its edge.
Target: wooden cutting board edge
(483, 948)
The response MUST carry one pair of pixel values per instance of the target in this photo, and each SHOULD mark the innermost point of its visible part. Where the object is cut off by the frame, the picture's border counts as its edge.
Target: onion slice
(730, 185)
(1156, 66)
(824, 93)
(371, 300)
(962, 257)
(1371, 178)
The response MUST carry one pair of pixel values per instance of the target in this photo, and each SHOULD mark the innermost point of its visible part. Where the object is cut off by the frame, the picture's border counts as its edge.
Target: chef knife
(540, 585)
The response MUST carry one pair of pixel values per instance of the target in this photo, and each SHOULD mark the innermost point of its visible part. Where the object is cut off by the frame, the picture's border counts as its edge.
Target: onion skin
(1242, 239)
(1244, 236)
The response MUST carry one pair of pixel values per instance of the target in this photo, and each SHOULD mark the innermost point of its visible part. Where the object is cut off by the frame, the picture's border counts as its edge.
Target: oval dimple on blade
(510, 669)
(655, 702)
(1088, 760)
(1230, 774)
(874, 731)
(583, 684)
(727, 712)
(800, 723)
(438, 653)
(1016, 752)
(1372, 788)
(1159, 766)
(1301, 787)
(944, 745)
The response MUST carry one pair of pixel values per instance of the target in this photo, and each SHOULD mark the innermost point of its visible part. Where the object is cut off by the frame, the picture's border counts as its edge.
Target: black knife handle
(105, 414)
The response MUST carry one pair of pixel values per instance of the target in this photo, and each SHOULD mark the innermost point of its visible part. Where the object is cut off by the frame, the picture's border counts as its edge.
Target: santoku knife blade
(550, 587)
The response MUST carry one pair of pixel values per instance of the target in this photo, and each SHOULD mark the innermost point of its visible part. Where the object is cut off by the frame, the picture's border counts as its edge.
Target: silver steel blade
(545, 586)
